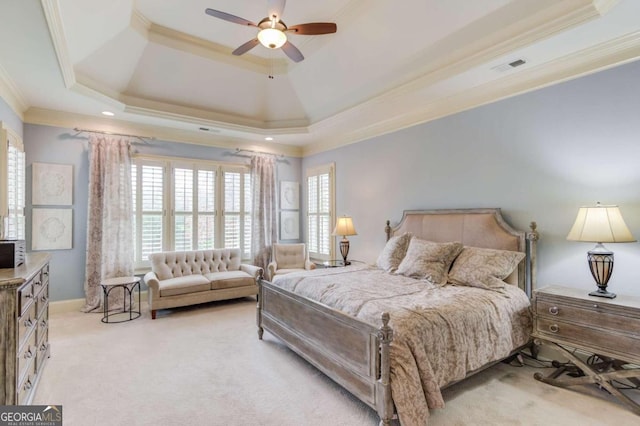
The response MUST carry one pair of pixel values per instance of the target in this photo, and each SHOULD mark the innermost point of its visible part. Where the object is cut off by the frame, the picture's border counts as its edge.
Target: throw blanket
(441, 333)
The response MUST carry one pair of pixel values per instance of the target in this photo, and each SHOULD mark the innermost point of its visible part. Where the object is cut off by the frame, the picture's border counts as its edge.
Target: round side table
(128, 285)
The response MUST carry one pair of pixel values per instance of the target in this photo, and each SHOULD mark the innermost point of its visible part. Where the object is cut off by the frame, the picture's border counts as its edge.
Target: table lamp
(600, 224)
(344, 227)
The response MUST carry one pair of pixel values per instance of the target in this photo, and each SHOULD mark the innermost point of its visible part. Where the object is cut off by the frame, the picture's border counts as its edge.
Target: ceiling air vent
(509, 66)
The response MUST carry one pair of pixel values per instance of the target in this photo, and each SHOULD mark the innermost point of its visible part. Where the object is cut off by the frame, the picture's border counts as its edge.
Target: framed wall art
(289, 195)
(289, 225)
(52, 184)
(51, 229)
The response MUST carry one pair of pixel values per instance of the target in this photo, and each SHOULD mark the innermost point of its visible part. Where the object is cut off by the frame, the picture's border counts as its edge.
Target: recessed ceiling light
(108, 113)
(268, 138)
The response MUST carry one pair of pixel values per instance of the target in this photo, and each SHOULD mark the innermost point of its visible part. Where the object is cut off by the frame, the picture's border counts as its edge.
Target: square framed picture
(289, 195)
(51, 229)
(52, 184)
(289, 225)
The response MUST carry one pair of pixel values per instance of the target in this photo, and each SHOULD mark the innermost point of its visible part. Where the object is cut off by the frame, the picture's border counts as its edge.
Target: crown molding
(56, 29)
(597, 58)
(184, 114)
(11, 94)
(47, 117)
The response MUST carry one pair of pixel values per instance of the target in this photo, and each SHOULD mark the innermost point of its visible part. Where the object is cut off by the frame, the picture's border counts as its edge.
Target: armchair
(289, 258)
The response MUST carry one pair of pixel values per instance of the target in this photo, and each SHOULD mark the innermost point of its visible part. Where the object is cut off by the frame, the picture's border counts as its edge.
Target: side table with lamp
(596, 323)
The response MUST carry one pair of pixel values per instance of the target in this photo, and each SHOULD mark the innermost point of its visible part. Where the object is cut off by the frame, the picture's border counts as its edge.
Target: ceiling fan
(273, 32)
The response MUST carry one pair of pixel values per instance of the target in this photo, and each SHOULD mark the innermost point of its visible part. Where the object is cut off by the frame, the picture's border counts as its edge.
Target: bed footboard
(352, 353)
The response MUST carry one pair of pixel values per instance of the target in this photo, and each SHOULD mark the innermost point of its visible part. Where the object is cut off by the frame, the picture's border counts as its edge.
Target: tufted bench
(181, 278)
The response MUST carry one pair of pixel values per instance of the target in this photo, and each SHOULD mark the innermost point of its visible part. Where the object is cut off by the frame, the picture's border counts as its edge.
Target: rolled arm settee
(182, 278)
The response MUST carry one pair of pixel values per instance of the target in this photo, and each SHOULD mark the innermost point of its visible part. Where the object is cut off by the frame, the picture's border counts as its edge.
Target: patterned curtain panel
(264, 230)
(110, 219)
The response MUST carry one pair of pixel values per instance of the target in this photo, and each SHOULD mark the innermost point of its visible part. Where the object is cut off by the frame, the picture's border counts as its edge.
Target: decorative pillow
(393, 252)
(428, 259)
(484, 268)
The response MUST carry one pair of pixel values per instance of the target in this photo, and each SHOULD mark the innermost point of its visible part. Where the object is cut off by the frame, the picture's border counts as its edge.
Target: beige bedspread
(440, 332)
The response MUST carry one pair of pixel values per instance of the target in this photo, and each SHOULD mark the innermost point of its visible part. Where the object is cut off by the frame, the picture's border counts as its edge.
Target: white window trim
(11, 138)
(314, 171)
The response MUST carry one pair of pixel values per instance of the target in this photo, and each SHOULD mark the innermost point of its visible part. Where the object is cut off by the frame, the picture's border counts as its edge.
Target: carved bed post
(383, 395)
(532, 239)
(387, 229)
(259, 309)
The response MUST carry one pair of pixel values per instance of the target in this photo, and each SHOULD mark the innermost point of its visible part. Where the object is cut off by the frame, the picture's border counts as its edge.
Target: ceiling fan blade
(275, 7)
(292, 52)
(245, 47)
(314, 28)
(229, 17)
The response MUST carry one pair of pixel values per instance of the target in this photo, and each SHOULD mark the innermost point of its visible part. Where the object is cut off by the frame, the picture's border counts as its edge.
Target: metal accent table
(128, 285)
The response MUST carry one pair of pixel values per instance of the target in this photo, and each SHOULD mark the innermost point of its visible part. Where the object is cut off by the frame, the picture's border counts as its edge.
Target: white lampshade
(344, 227)
(272, 38)
(600, 224)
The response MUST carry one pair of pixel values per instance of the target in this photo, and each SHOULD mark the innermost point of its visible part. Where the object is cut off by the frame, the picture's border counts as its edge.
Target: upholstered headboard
(473, 227)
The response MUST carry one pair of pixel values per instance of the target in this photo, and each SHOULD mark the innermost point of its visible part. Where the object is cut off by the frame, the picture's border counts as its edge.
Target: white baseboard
(75, 305)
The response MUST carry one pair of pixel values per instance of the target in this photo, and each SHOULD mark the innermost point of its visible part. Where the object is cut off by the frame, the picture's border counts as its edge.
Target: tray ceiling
(166, 67)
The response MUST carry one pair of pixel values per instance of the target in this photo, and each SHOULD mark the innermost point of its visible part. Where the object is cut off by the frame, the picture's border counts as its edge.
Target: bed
(395, 341)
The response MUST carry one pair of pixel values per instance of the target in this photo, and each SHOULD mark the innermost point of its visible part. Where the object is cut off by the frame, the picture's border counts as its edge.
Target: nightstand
(610, 328)
(329, 263)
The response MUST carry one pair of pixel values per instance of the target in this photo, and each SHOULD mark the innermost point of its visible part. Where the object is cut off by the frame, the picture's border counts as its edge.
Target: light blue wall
(10, 118)
(45, 144)
(538, 156)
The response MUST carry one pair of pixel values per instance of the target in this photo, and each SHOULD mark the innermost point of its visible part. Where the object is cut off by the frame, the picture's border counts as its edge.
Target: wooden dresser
(569, 318)
(24, 328)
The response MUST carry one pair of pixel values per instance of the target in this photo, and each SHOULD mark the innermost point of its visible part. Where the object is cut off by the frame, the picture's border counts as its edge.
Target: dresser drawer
(600, 341)
(25, 296)
(45, 275)
(42, 326)
(26, 324)
(43, 350)
(42, 300)
(25, 389)
(37, 284)
(27, 356)
(596, 314)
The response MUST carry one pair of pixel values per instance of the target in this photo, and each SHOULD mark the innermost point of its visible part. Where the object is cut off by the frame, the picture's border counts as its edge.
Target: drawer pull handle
(554, 328)
(28, 296)
(27, 385)
(43, 323)
(28, 323)
(28, 354)
(43, 347)
(553, 310)
(596, 306)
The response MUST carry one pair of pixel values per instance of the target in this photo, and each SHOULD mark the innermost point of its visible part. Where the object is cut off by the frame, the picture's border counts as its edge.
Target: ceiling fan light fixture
(272, 38)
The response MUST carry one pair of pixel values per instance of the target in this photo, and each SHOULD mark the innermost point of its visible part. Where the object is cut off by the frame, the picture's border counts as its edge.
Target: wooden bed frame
(356, 354)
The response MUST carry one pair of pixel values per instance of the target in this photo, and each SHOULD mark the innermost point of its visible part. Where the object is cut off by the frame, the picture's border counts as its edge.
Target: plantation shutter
(15, 189)
(151, 214)
(320, 211)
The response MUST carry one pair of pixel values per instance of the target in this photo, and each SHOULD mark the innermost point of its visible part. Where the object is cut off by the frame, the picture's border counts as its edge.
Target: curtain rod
(239, 150)
(142, 138)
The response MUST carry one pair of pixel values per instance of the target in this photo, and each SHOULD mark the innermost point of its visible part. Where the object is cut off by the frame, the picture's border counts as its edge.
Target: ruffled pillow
(428, 259)
(393, 252)
(484, 268)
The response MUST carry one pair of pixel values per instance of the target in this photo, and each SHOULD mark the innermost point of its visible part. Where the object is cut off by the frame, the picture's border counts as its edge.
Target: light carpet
(204, 365)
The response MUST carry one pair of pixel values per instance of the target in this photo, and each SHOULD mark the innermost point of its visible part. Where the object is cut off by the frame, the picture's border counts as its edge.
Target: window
(12, 198)
(237, 210)
(320, 211)
(184, 205)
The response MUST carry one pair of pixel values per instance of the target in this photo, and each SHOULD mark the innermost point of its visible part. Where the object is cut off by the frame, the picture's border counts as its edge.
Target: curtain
(109, 219)
(264, 231)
